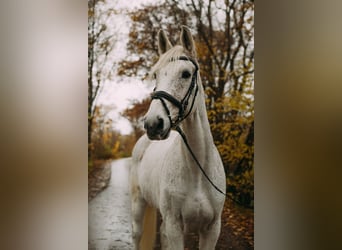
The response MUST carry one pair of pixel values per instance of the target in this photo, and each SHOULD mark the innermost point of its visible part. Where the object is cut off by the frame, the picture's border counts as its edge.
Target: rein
(182, 106)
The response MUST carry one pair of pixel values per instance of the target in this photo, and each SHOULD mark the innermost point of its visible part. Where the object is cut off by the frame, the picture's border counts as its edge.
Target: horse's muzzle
(155, 128)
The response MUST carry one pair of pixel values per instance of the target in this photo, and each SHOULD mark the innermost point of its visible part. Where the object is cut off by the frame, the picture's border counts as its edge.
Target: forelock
(172, 54)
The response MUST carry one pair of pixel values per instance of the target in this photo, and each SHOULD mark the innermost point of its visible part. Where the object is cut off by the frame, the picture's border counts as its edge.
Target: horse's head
(175, 79)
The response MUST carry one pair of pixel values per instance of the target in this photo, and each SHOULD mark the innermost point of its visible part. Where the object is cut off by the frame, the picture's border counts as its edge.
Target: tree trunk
(90, 122)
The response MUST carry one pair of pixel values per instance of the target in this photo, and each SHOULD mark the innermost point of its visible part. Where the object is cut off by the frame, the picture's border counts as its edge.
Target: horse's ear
(163, 42)
(187, 41)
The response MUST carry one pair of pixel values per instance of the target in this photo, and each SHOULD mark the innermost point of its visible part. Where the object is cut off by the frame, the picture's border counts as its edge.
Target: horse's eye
(154, 76)
(186, 74)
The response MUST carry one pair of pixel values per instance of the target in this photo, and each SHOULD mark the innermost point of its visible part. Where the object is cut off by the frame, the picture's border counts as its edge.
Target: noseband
(183, 104)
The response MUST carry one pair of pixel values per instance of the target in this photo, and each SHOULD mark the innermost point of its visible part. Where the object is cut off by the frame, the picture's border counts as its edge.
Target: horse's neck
(197, 130)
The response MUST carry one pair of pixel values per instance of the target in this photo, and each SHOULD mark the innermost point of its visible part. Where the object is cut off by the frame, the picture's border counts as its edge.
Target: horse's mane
(172, 54)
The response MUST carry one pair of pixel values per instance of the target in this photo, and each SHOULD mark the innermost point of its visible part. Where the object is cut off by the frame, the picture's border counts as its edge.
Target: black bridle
(183, 104)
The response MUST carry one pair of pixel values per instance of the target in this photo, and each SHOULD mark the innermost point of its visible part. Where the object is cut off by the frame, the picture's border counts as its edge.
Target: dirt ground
(237, 230)
(98, 178)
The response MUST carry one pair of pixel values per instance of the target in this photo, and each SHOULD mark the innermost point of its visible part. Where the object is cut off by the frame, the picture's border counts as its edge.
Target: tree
(107, 143)
(104, 138)
(142, 43)
(100, 43)
(135, 113)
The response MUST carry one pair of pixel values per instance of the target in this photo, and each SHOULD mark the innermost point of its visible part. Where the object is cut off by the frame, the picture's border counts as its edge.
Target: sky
(118, 93)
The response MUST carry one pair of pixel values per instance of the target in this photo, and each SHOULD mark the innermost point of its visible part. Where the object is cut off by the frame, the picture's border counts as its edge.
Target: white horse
(164, 175)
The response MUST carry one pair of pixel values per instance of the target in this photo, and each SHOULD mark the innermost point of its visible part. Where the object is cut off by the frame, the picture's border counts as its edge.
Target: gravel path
(109, 212)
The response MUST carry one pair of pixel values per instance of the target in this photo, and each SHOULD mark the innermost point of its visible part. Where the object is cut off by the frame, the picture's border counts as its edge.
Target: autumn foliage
(107, 143)
(235, 142)
(135, 113)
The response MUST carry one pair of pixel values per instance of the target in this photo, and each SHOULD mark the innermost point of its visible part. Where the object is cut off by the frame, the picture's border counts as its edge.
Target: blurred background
(44, 146)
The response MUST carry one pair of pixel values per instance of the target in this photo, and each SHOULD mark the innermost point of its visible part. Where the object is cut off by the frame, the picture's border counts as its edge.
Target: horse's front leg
(163, 237)
(138, 206)
(172, 233)
(210, 235)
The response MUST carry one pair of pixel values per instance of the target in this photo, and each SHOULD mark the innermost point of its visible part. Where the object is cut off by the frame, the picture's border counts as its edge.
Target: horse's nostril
(160, 124)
